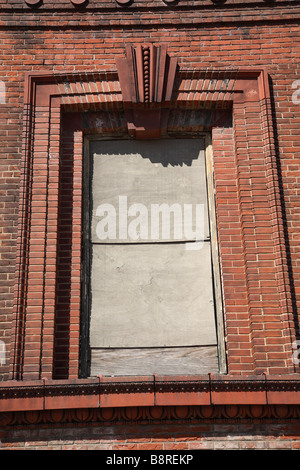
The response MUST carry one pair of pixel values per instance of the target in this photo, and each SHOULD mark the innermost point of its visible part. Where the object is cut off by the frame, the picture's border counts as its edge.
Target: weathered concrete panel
(148, 295)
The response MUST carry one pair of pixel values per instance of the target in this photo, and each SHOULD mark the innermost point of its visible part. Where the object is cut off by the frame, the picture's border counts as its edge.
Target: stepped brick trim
(49, 97)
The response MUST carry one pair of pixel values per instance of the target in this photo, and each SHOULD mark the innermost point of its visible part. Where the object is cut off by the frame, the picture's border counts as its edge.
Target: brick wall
(191, 437)
(262, 301)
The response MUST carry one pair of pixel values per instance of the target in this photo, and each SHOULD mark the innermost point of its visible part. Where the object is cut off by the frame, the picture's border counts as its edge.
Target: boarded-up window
(151, 290)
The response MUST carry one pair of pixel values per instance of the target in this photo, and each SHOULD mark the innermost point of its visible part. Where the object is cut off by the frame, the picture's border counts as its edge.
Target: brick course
(190, 437)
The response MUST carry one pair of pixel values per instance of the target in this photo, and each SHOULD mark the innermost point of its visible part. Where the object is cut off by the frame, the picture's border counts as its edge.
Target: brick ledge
(107, 392)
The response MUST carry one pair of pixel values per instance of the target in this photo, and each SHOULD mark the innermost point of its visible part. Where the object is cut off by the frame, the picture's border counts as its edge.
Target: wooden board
(161, 361)
(152, 300)
(145, 181)
(152, 295)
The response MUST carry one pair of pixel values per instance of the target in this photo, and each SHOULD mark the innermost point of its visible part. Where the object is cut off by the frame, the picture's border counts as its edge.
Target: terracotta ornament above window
(146, 77)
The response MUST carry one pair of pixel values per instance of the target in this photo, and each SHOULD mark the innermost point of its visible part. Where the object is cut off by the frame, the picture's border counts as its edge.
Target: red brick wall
(282, 76)
(187, 437)
(56, 36)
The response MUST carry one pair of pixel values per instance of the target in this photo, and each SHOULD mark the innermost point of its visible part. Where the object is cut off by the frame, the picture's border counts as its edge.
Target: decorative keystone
(147, 74)
(146, 78)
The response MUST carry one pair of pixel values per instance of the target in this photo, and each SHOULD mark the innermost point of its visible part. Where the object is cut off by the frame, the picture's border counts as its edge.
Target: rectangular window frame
(85, 356)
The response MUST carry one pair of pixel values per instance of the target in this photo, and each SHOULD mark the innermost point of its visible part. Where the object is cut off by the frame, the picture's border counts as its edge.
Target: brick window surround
(59, 110)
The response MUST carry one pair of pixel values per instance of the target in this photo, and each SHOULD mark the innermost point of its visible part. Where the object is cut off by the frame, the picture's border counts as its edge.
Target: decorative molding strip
(238, 386)
(166, 2)
(182, 386)
(152, 415)
(283, 386)
(135, 15)
(69, 390)
(202, 390)
(126, 387)
(13, 392)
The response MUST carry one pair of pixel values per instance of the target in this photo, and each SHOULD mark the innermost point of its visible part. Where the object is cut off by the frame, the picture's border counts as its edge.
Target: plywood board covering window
(151, 286)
